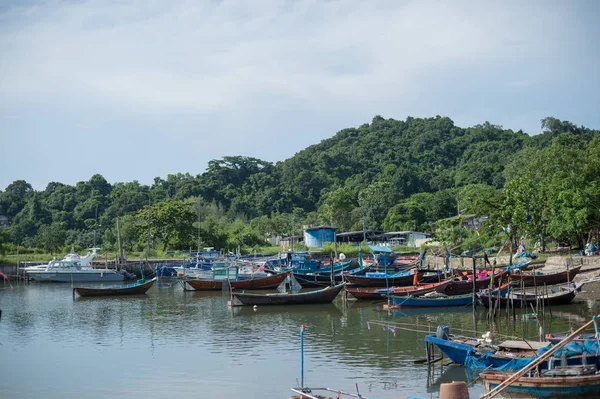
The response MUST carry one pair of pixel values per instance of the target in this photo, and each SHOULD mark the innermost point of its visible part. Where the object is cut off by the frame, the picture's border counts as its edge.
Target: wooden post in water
(474, 281)
(331, 268)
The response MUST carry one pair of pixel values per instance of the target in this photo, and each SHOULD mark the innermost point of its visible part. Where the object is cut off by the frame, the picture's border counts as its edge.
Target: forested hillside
(387, 174)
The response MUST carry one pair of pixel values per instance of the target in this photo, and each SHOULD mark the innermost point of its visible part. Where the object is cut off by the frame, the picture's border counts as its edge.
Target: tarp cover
(377, 248)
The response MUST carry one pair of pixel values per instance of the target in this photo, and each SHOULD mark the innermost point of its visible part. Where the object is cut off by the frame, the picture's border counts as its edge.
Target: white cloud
(212, 55)
(236, 68)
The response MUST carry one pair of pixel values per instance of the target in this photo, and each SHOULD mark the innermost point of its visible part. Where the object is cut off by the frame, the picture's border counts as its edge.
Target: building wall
(316, 238)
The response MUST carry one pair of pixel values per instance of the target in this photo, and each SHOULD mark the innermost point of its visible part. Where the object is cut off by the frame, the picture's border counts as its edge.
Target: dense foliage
(392, 175)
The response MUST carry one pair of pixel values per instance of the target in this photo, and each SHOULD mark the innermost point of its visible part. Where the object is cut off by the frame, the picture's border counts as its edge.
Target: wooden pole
(506, 383)
(474, 281)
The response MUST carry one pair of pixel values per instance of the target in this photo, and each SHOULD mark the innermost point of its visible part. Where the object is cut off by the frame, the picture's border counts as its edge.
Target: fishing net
(291, 282)
(225, 287)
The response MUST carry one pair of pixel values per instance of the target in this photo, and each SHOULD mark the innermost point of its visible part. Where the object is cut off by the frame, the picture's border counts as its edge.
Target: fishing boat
(138, 288)
(559, 382)
(323, 393)
(510, 355)
(548, 297)
(324, 295)
(556, 337)
(463, 284)
(216, 284)
(381, 293)
(403, 279)
(541, 278)
(322, 275)
(432, 300)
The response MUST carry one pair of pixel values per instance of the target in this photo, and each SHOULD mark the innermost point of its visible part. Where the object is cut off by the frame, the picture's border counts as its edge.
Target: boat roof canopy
(378, 248)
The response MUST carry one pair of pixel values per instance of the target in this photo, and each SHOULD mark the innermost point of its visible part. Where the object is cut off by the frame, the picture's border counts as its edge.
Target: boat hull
(324, 295)
(544, 387)
(251, 284)
(531, 280)
(523, 301)
(462, 287)
(131, 289)
(315, 280)
(423, 302)
(458, 352)
(365, 281)
(92, 276)
(381, 293)
(455, 351)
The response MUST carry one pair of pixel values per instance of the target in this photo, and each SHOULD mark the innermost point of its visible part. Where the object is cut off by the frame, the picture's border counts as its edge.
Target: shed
(315, 237)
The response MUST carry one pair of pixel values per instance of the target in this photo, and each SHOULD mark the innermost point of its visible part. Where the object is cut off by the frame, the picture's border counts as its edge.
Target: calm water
(189, 344)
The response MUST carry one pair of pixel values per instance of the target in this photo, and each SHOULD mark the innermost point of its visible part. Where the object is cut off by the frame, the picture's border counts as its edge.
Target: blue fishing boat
(480, 354)
(431, 301)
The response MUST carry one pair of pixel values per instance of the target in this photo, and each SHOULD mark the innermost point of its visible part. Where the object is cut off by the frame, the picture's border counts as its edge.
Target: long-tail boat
(463, 284)
(392, 280)
(552, 296)
(324, 295)
(137, 288)
(247, 284)
(430, 302)
(381, 293)
(559, 382)
(322, 277)
(540, 278)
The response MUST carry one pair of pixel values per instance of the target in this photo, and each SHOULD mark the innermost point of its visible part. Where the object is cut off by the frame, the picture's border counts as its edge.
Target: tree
(169, 222)
(337, 208)
(376, 200)
(51, 237)
(14, 198)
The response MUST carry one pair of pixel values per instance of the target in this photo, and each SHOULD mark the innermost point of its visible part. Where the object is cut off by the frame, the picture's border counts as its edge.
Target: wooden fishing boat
(323, 393)
(247, 284)
(555, 296)
(477, 354)
(539, 278)
(323, 277)
(463, 284)
(403, 279)
(557, 337)
(439, 300)
(312, 280)
(569, 381)
(324, 295)
(381, 293)
(137, 288)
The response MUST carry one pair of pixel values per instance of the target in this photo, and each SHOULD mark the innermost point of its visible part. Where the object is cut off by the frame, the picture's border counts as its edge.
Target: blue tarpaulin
(376, 248)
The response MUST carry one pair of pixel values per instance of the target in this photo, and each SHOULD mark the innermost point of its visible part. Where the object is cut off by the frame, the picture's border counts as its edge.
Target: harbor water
(173, 343)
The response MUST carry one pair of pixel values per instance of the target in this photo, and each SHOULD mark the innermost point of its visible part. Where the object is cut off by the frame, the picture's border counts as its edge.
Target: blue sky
(140, 89)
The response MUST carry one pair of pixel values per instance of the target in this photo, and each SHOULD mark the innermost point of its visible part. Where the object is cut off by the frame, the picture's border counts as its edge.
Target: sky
(135, 90)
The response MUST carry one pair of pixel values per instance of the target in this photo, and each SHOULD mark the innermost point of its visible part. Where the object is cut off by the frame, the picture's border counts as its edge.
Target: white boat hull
(94, 275)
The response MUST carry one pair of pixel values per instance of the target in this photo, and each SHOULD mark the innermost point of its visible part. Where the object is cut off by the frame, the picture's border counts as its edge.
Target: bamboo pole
(506, 383)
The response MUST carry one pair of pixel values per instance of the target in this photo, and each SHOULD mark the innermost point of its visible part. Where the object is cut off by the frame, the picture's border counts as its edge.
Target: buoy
(454, 390)
(255, 307)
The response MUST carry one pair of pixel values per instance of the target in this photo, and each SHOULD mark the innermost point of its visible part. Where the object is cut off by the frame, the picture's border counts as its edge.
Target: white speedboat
(73, 268)
(84, 261)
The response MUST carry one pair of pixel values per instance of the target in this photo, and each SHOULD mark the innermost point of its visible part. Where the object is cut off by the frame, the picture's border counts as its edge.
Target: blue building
(315, 237)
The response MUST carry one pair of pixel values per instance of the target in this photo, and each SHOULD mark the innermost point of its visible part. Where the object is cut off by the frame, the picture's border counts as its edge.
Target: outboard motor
(442, 331)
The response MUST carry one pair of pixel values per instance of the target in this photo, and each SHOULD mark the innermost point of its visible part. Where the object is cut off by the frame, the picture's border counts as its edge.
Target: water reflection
(194, 340)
